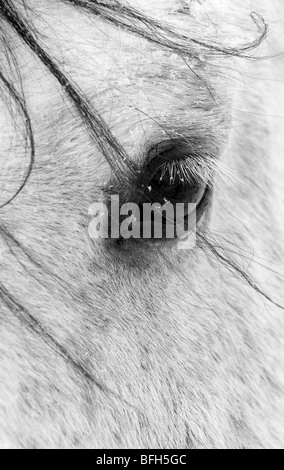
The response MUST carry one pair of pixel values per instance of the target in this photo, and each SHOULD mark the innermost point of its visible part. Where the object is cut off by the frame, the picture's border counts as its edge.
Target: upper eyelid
(187, 170)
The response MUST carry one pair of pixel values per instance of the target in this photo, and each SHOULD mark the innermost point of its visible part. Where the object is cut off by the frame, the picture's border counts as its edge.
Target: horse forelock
(83, 325)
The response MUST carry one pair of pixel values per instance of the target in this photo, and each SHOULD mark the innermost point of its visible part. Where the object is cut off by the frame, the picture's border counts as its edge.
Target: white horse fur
(105, 347)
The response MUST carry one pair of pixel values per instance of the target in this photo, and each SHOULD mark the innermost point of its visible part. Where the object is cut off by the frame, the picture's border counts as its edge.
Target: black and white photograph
(142, 227)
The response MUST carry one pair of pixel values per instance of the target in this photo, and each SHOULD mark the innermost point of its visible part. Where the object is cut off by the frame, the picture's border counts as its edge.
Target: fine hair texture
(124, 171)
(134, 22)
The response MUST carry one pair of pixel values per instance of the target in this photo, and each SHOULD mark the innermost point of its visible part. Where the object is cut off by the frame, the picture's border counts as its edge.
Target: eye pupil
(172, 187)
(169, 180)
(170, 176)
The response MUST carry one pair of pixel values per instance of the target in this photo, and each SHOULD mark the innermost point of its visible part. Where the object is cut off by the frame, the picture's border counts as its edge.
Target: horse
(132, 342)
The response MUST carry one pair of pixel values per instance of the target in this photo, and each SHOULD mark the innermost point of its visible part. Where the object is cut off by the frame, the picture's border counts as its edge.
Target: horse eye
(172, 182)
(171, 178)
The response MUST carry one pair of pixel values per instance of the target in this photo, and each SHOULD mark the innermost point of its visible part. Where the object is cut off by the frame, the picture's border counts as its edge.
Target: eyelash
(189, 171)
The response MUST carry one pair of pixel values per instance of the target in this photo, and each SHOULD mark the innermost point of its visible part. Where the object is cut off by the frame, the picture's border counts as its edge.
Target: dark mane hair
(129, 20)
(134, 22)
